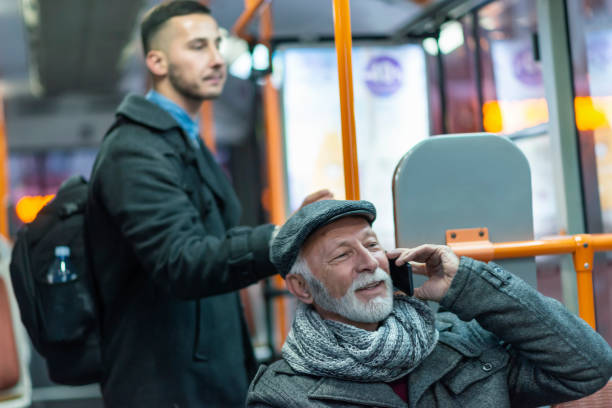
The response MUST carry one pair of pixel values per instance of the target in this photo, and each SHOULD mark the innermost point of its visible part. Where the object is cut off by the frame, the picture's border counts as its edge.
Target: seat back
(461, 181)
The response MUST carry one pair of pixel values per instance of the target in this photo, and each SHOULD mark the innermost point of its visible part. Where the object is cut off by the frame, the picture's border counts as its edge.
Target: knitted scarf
(329, 348)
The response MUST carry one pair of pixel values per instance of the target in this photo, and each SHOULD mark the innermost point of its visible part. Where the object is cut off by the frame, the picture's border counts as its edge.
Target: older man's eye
(341, 256)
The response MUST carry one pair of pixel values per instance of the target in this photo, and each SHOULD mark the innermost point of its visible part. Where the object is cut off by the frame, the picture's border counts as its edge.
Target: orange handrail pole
(521, 249)
(342, 34)
(276, 179)
(251, 6)
(581, 246)
(207, 126)
(4, 183)
(274, 144)
(583, 255)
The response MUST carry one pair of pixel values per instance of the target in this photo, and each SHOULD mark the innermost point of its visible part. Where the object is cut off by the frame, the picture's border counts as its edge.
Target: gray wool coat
(502, 344)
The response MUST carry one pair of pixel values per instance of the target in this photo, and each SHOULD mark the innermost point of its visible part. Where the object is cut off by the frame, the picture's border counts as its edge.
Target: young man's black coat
(168, 259)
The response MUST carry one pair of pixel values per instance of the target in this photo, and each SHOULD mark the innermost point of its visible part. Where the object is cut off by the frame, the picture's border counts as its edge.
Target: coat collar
(350, 392)
(138, 109)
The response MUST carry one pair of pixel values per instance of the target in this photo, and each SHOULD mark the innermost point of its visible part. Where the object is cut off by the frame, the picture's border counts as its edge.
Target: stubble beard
(187, 89)
(349, 306)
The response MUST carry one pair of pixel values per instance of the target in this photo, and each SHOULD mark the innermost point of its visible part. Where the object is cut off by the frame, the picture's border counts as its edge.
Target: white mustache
(367, 279)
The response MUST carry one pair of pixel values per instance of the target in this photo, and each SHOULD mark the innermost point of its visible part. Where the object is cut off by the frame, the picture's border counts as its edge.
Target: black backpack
(61, 318)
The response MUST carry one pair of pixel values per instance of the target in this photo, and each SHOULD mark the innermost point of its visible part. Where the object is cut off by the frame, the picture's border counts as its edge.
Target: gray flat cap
(286, 246)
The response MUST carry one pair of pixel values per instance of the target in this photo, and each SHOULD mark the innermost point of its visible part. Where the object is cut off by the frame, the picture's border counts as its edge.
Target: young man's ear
(296, 284)
(157, 63)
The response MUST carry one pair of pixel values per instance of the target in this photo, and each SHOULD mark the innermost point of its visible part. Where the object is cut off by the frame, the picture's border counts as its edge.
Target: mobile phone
(402, 277)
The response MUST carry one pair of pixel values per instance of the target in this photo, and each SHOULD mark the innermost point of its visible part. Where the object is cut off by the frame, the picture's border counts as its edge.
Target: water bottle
(61, 270)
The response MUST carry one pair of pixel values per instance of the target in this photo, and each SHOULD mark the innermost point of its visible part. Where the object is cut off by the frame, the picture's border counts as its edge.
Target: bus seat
(9, 360)
(601, 399)
(15, 381)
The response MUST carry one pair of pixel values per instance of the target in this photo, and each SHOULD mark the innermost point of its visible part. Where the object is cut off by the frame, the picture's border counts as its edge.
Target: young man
(168, 255)
(496, 342)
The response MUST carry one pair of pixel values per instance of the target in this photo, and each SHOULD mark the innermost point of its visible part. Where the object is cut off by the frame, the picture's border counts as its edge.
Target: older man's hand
(438, 262)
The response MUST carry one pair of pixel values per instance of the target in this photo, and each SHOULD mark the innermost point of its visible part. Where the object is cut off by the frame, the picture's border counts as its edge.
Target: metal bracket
(473, 242)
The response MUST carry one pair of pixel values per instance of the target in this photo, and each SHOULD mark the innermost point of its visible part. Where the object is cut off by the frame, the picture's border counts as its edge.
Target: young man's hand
(438, 262)
(319, 195)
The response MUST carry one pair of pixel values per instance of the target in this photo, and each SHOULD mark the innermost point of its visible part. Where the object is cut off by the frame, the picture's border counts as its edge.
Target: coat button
(487, 366)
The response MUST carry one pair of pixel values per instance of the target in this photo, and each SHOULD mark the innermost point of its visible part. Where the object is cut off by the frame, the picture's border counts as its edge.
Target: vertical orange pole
(207, 120)
(4, 182)
(342, 33)
(274, 143)
(276, 179)
(583, 263)
(586, 304)
(274, 135)
(207, 126)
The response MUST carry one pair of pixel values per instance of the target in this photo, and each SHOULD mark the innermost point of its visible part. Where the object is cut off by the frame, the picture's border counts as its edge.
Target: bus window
(391, 116)
(590, 24)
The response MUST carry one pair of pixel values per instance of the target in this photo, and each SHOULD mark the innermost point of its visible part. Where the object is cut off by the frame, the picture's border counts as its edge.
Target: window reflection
(513, 89)
(514, 104)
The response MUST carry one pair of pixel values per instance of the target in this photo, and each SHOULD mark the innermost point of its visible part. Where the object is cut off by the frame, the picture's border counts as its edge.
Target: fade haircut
(157, 17)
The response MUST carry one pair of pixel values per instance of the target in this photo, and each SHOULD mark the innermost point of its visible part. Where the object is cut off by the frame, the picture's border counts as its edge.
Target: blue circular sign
(383, 75)
(526, 69)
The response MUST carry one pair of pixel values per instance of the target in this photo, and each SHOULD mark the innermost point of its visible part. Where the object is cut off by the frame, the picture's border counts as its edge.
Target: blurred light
(430, 45)
(590, 112)
(488, 23)
(261, 57)
(231, 48)
(451, 37)
(27, 207)
(492, 117)
(241, 67)
(15, 87)
(30, 12)
(511, 116)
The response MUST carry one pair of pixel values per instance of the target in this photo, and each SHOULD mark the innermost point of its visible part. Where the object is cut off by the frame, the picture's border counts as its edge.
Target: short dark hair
(157, 16)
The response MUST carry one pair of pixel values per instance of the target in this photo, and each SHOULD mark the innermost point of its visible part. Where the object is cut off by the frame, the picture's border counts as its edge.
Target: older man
(496, 342)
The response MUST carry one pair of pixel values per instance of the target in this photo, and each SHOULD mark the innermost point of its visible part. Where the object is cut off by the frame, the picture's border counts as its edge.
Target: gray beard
(349, 306)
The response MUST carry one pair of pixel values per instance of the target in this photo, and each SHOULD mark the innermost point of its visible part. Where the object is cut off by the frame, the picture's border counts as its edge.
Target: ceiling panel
(76, 45)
